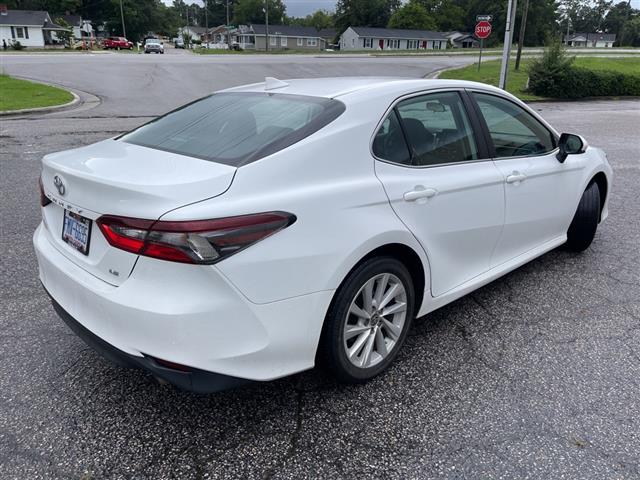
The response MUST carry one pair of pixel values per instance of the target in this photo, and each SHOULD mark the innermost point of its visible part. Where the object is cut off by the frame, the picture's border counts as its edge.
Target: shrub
(16, 45)
(554, 76)
(546, 71)
(577, 82)
(66, 35)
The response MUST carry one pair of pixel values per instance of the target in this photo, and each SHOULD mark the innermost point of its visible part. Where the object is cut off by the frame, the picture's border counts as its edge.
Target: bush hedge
(576, 82)
(554, 75)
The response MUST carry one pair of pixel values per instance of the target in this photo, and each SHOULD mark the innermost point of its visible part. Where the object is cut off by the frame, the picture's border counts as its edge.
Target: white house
(367, 38)
(462, 39)
(590, 40)
(196, 33)
(287, 37)
(32, 28)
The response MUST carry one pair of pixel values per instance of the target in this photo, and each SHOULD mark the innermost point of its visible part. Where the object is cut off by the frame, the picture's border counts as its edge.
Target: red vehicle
(117, 43)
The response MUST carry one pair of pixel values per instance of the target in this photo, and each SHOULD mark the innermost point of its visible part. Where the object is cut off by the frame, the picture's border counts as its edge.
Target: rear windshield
(237, 128)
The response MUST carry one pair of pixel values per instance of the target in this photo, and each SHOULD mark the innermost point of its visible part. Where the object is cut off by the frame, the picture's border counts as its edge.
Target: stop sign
(483, 29)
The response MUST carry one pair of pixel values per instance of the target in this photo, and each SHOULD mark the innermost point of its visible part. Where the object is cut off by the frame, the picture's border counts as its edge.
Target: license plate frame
(76, 231)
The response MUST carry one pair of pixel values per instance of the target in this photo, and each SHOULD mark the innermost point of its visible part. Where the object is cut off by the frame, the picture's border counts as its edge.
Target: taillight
(198, 241)
(44, 200)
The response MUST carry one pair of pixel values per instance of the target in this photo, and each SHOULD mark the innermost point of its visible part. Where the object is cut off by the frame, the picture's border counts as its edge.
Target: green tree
(631, 32)
(364, 13)
(622, 20)
(412, 16)
(65, 35)
(251, 11)
(320, 19)
(586, 15)
(447, 14)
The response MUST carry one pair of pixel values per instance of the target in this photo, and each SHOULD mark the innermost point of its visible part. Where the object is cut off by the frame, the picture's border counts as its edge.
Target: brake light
(198, 241)
(44, 200)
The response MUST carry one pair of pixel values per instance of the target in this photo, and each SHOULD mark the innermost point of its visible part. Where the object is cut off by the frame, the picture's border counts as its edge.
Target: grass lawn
(17, 94)
(516, 81)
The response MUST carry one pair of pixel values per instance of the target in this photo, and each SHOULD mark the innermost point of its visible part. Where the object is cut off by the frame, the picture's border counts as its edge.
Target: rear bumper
(185, 314)
(193, 380)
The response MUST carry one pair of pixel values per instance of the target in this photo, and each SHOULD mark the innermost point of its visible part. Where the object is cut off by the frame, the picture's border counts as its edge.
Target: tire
(369, 337)
(585, 222)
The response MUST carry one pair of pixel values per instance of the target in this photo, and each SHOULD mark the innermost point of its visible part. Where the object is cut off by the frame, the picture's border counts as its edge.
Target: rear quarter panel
(328, 181)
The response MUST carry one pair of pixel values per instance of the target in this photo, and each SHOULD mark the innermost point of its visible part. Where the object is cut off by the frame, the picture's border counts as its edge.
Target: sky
(301, 8)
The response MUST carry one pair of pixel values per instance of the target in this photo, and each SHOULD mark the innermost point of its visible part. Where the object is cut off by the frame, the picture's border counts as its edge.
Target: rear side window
(237, 128)
(389, 143)
(514, 131)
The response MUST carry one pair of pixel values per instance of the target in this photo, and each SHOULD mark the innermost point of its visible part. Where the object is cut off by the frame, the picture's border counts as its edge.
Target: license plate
(76, 231)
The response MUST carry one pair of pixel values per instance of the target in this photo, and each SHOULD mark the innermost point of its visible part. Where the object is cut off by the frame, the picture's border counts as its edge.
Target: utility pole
(228, 33)
(266, 18)
(523, 26)
(266, 21)
(124, 31)
(508, 38)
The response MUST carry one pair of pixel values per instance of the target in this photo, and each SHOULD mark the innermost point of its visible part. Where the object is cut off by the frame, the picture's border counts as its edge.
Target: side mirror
(570, 144)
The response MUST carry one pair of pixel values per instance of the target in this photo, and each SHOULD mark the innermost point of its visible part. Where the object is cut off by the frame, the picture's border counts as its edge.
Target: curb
(81, 101)
(52, 108)
(436, 74)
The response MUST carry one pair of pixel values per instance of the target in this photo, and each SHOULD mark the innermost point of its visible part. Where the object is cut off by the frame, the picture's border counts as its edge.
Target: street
(536, 375)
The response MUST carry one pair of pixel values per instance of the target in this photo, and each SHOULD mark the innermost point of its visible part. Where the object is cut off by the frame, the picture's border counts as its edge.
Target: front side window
(20, 32)
(514, 131)
(312, 42)
(273, 41)
(299, 42)
(237, 128)
(368, 43)
(283, 41)
(437, 129)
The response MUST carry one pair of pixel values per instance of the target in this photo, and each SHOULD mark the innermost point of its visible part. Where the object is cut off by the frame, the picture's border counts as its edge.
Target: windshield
(237, 128)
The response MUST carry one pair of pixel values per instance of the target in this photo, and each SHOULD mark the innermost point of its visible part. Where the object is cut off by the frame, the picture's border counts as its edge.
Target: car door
(540, 191)
(442, 184)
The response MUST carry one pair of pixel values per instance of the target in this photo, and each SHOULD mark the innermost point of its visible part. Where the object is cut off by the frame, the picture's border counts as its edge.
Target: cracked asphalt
(536, 375)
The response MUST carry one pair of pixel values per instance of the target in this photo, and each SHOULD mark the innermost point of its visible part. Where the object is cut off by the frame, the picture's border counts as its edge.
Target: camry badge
(59, 184)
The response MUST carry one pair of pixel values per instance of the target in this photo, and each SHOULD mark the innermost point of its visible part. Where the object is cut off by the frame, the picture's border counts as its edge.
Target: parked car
(262, 229)
(153, 45)
(117, 43)
(179, 42)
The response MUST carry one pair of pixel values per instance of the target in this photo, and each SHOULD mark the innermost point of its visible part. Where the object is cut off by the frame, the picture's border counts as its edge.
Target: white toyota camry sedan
(263, 229)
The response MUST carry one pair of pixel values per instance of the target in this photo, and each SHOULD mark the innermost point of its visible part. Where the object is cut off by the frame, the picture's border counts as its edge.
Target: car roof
(351, 88)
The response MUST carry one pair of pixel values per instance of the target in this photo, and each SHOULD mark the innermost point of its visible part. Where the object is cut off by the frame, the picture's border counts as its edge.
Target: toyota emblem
(59, 184)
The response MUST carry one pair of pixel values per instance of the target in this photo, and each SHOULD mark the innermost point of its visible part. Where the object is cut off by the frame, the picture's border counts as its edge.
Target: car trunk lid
(118, 178)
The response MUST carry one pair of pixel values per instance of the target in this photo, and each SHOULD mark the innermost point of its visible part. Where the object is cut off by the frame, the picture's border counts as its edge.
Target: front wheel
(368, 320)
(585, 222)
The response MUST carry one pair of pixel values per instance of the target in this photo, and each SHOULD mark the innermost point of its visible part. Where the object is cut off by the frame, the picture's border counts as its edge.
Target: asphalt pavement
(536, 375)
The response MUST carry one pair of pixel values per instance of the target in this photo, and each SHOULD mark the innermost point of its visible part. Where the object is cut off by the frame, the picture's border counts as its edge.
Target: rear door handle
(516, 177)
(419, 192)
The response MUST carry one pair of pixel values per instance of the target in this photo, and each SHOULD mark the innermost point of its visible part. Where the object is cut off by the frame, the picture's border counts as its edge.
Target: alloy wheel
(375, 320)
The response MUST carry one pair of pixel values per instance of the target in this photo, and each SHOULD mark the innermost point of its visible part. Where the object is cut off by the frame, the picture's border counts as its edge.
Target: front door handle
(419, 192)
(516, 177)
